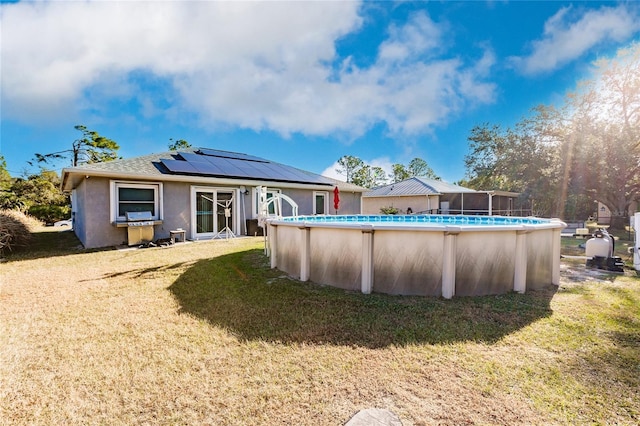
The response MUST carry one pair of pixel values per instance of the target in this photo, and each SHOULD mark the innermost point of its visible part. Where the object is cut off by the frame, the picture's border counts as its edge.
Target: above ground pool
(427, 255)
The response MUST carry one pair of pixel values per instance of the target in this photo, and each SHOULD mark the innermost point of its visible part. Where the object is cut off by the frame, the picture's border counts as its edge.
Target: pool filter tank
(599, 251)
(599, 245)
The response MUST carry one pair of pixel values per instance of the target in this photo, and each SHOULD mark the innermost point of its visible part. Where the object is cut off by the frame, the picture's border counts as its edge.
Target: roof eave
(501, 193)
(71, 178)
(401, 195)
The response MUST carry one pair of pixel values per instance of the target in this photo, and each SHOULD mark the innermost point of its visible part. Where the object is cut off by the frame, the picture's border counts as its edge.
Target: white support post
(520, 274)
(636, 248)
(305, 253)
(273, 245)
(490, 203)
(555, 258)
(367, 259)
(449, 262)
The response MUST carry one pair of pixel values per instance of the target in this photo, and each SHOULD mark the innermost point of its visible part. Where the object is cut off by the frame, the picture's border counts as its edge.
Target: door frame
(234, 223)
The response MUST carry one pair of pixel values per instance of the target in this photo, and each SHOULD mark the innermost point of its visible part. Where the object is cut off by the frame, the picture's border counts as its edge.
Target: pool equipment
(600, 252)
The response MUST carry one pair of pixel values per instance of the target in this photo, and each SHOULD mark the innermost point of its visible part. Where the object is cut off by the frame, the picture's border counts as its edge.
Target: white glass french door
(213, 212)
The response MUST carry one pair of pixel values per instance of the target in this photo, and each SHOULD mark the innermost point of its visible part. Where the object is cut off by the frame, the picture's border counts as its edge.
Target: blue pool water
(422, 219)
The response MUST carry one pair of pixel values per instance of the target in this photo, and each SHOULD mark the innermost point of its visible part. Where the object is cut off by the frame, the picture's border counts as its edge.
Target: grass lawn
(206, 333)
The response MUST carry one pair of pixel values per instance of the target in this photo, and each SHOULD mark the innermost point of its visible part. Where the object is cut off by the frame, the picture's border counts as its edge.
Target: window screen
(137, 199)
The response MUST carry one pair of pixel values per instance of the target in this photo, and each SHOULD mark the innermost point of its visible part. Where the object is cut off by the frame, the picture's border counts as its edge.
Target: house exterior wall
(92, 219)
(418, 203)
(603, 214)
(92, 223)
(177, 209)
(78, 213)
(349, 201)
(302, 197)
(94, 228)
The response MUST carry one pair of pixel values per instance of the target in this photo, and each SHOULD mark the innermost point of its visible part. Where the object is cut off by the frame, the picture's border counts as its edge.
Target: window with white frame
(274, 207)
(135, 197)
(320, 202)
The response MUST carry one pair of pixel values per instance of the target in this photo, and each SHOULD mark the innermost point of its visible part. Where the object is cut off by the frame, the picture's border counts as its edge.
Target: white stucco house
(200, 191)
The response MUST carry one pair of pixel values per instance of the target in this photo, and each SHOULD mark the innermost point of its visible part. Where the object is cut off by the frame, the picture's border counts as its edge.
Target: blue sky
(301, 83)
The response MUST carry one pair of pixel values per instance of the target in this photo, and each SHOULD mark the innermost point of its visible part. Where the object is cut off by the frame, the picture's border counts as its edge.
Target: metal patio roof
(417, 186)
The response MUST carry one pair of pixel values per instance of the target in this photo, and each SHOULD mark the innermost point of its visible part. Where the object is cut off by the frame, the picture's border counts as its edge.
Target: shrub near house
(15, 230)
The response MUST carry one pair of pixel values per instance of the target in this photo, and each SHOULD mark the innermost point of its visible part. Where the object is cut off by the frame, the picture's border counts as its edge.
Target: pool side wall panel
(408, 262)
(540, 259)
(288, 250)
(336, 257)
(485, 263)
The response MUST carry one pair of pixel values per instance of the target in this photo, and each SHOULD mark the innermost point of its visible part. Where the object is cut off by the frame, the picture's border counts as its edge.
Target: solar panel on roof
(191, 157)
(228, 154)
(226, 165)
(277, 170)
(208, 169)
(178, 166)
(211, 162)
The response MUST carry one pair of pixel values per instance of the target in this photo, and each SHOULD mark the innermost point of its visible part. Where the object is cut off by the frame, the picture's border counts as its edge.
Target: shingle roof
(347, 187)
(145, 165)
(151, 167)
(416, 186)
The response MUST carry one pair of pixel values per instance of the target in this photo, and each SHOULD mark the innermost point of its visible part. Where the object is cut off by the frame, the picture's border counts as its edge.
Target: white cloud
(569, 34)
(332, 173)
(383, 162)
(257, 65)
(419, 36)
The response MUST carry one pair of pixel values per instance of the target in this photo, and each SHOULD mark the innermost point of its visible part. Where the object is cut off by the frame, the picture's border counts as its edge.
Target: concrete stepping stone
(374, 417)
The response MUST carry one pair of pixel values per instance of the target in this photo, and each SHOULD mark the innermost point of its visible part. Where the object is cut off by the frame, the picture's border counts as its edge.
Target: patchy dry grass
(206, 333)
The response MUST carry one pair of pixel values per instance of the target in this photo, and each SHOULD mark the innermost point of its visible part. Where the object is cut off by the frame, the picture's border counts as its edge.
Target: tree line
(565, 158)
(356, 171)
(39, 194)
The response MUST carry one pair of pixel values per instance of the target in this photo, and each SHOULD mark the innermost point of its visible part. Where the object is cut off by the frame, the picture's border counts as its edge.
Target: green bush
(50, 214)
(389, 210)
